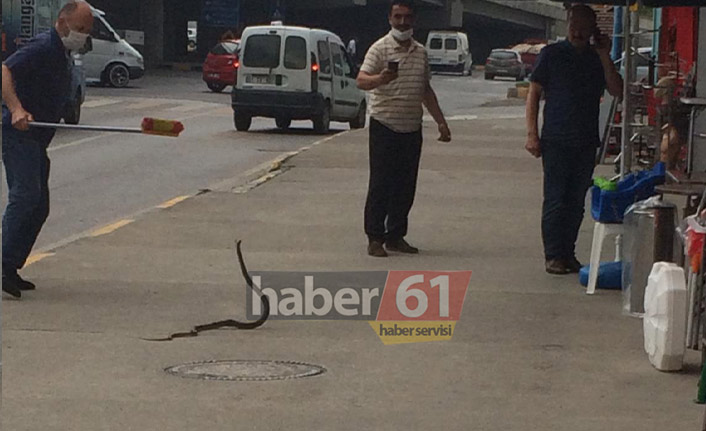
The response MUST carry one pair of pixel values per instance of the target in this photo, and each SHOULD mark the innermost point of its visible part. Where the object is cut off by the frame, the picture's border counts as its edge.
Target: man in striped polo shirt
(396, 71)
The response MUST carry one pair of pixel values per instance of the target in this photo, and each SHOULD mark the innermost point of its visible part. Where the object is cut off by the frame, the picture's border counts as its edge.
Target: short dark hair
(406, 3)
(582, 9)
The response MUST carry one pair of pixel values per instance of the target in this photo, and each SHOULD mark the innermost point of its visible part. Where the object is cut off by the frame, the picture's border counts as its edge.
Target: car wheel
(489, 77)
(72, 111)
(118, 75)
(359, 121)
(242, 122)
(216, 87)
(283, 123)
(322, 122)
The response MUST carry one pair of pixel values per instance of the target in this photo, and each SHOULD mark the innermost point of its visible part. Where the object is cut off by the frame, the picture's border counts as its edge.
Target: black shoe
(400, 245)
(573, 265)
(11, 287)
(556, 267)
(19, 281)
(375, 249)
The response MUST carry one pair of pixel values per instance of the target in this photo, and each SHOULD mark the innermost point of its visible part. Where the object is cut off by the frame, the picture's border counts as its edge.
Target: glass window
(262, 51)
(503, 55)
(225, 48)
(324, 57)
(348, 68)
(451, 44)
(435, 43)
(101, 32)
(295, 53)
(337, 59)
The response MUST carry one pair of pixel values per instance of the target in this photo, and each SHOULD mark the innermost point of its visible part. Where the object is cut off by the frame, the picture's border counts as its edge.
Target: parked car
(505, 62)
(191, 38)
(111, 60)
(449, 51)
(296, 73)
(221, 65)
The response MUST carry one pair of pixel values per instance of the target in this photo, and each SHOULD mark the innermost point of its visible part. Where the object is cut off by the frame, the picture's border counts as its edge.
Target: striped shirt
(398, 105)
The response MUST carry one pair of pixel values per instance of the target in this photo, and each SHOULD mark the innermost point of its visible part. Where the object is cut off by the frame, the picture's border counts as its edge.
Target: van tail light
(236, 64)
(314, 73)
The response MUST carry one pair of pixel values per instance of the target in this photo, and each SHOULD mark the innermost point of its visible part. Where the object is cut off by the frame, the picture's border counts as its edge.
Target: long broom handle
(79, 127)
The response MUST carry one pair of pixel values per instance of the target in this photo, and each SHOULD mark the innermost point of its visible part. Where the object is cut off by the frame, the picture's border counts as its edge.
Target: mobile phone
(393, 65)
(594, 37)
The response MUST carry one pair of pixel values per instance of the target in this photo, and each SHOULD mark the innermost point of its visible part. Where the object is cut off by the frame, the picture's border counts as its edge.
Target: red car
(221, 65)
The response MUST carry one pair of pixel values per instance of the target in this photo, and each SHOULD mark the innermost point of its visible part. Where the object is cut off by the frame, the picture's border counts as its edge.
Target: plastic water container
(664, 322)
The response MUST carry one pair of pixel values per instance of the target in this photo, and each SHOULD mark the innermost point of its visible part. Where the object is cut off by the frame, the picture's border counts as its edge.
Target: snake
(230, 323)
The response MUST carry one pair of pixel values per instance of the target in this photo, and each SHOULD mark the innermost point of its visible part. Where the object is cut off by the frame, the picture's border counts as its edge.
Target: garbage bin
(649, 237)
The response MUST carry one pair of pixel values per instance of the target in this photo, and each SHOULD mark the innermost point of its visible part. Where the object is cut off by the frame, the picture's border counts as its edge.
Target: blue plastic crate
(610, 206)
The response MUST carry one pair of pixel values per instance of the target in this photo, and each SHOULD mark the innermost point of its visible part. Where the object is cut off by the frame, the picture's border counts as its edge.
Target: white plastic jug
(664, 322)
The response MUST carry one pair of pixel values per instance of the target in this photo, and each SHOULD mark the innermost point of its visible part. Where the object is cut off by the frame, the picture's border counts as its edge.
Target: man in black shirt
(573, 75)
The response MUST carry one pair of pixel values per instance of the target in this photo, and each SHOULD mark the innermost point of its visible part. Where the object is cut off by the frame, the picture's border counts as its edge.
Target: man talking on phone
(396, 71)
(573, 75)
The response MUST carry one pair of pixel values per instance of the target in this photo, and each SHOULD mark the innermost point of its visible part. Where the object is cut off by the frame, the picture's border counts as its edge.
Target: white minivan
(111, 60)
(449, 51)
(296, 73)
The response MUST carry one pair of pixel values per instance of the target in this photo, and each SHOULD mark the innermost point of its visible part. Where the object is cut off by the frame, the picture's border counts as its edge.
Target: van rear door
(276, 59)
(435, 48)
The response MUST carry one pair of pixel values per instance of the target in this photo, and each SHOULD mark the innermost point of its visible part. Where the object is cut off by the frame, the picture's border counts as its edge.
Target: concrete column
(152, 13)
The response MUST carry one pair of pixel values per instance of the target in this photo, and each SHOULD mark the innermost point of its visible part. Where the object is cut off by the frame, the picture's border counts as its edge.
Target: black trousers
(394, 167)
(567, 177)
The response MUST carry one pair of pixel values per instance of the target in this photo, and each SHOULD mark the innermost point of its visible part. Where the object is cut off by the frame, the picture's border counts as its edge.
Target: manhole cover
(245, 370)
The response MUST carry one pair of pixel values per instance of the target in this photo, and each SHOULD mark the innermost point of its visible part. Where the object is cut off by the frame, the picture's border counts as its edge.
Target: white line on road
(79, 142)
(148, 104)
(97, 103)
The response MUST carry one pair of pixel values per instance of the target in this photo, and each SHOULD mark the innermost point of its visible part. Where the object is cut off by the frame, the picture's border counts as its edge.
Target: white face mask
(402, 36)
(74, 41)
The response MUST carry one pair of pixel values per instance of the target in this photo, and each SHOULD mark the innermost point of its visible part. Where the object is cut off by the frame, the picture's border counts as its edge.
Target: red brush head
(154, 126)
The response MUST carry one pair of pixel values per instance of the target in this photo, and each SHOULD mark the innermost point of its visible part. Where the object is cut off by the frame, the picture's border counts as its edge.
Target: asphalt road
(98, 178)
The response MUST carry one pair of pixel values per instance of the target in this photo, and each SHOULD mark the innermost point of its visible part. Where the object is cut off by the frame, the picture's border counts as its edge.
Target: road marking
(111, 228)
(37, 257)
(172, 202)
(148, 103)
(78, 142)
(190, 107)
(97, 103)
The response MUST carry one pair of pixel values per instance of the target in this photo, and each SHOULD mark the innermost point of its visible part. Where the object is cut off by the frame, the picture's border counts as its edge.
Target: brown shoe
(375, 249)
(400, 245)
(573, 265)
(556, 267)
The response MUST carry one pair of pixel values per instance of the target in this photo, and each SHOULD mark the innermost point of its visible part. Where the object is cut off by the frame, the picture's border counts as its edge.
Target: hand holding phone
(601, 42)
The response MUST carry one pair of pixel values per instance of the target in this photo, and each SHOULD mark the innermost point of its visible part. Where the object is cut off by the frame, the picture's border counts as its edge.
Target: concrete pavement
(531, 351)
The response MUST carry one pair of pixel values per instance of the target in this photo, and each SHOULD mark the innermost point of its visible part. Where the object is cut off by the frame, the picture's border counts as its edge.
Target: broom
(150, 126)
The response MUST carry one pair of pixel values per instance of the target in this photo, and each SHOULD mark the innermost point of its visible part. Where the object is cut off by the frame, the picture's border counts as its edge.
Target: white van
(111, 60)
(296, 73)
(449, 51)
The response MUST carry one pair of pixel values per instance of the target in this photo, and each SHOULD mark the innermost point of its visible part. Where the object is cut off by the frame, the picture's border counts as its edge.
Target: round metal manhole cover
(246, 370)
